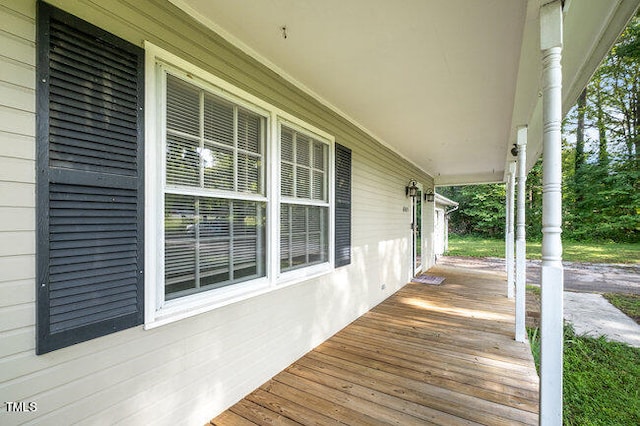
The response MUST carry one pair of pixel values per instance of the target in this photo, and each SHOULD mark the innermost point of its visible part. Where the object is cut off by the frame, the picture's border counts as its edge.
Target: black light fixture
(429, 196)
(514, 150)
(412, 189)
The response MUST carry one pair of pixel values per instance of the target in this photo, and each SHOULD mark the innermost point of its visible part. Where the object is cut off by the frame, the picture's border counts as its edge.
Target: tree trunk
(580, 158)
(635, 137)
(603, 155)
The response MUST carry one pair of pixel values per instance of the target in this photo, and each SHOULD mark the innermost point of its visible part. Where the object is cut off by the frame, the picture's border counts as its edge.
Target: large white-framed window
(214, 191)
(304, 198)
(239, 194)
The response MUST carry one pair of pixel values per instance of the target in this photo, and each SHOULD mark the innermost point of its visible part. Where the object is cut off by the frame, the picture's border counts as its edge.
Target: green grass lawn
(627, 303)
(572, 251)
(601, 380)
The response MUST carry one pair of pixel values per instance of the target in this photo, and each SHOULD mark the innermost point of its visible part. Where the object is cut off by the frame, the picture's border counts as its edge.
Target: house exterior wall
(187, 371)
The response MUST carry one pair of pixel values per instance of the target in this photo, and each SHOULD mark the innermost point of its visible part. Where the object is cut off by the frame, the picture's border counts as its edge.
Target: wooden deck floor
(426, 355)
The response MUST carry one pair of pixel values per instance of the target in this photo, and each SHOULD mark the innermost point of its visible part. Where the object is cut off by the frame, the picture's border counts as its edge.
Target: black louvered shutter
(343, 206)
(90, 96)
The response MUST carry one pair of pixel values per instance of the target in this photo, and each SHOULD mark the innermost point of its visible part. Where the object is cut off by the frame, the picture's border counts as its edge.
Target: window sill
(195, 304)
(199, 303)
(303, 274)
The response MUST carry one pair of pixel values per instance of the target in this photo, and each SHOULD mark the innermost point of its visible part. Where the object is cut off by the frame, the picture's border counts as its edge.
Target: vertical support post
(509, 256)
(552, 272)
(506, 227)
(521, 248)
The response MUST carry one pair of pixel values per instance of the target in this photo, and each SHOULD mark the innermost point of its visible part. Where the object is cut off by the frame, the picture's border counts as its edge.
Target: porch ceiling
(444, 83)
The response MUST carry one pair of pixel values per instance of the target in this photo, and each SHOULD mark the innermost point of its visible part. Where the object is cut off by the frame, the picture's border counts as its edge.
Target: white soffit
(436, 80)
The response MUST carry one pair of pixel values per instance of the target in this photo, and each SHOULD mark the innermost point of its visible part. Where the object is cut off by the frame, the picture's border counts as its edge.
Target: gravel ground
(578, 277)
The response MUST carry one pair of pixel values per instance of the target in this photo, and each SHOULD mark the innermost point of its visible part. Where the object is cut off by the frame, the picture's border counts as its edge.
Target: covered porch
(440, 354)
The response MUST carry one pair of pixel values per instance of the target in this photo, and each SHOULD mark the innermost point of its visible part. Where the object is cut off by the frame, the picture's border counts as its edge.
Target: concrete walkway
(593, 315)
(588, 311)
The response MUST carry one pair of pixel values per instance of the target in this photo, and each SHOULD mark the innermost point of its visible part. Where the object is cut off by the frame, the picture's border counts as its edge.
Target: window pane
(183, 106)
(218, 121)
(183, 161)
(214, 218)
(249, 131)
(303, 183)
(302, 149)
(318, 185)
(249, 173)
(249, 243)
(212, 242)
(319, 155)
(316, 225)
(179, 243)
(303, 236)
(304, 166)
(218, 168)
(286, 180)
(286, 144)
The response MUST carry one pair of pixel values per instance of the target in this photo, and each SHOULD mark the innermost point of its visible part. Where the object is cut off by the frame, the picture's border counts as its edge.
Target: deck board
(427, 355)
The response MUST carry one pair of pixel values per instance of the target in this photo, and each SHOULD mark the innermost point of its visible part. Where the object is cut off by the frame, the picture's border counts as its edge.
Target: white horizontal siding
(188, 371)
(17, 185)
(13, 343)
(16, 170)
(14, 145)
(17, 243)
(17, 267)
(17, 316)
(17, 21)
(17, 73)
(17, 194)
(20, 7)
(16, 292)
(17, 218)
(17, 121)
(18, 97)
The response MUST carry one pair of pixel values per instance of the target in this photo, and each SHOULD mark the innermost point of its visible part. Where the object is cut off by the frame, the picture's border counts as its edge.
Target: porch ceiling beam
(552, 272)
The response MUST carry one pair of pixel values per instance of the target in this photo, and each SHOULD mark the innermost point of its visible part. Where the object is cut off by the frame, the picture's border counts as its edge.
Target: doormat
(428, 279)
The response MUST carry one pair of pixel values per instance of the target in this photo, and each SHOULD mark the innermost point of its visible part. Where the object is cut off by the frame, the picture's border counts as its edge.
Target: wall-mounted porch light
(429, 196)
(412, 189)
(514, 150)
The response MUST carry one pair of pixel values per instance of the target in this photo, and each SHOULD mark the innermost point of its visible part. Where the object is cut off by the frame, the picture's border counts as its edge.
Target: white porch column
(521, 248)
(509, 243)
(552, 273)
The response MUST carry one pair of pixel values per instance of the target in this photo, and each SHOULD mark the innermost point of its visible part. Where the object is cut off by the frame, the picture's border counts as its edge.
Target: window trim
(158, 311)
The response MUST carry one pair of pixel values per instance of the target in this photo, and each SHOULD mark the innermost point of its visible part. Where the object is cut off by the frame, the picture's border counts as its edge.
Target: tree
(601, 161)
